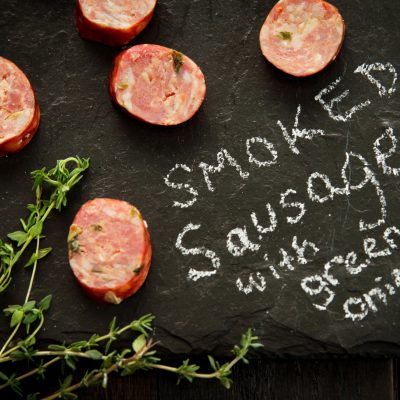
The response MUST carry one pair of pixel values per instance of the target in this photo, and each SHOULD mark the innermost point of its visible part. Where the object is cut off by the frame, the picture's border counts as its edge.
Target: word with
(286, 264)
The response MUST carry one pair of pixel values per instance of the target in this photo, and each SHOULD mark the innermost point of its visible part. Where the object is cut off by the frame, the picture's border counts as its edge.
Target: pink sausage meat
(19, 110)
(301, 37)
(113, 22)
(109, 249)
(157, 85)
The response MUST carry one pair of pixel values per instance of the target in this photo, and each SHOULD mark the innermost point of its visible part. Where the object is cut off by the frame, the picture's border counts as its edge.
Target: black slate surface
(246, 96)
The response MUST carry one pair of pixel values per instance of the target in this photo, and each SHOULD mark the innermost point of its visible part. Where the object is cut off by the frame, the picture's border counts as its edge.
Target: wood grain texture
(351, 379)
(273, 380)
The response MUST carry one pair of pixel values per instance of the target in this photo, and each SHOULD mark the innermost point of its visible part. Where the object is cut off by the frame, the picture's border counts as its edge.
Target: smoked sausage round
(157, 85)
(109, 249)
(19, 110)
(301, 37)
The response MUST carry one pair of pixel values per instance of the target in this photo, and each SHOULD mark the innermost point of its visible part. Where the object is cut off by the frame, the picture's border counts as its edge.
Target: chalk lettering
(195, 274)
(223, 157)
(260, 285)
(351, 261)
(370, 245)
(338, 260)
(365, 69)
(376, 293)
(391, 290)
(370, 176)
(181, 186)
(272, 221)
(308, 285)
(381, 156)
(268, 145)
(310, 188)
(272, 268)
(355, 316)
(286, 261)
(298, 205)
(336, 100)
(387, 236)
(238, 250)
(300, 250)
(396, 277)
(308, 134)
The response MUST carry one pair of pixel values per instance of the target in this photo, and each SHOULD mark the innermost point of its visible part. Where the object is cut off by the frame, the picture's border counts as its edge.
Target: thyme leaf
(178, 60)
(284, 35)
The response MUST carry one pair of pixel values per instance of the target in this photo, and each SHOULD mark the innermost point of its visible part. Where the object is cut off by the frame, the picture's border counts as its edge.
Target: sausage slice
(301, 37)
(109, 249)
(113, 22)
(157, 85)
(19, 110)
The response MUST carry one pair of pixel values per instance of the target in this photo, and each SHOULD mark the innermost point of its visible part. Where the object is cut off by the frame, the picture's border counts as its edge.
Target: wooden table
(351, 379)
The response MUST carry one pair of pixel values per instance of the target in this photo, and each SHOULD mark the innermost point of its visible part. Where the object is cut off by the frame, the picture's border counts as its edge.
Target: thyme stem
(32, 372)
(10, 338)
(28, 293)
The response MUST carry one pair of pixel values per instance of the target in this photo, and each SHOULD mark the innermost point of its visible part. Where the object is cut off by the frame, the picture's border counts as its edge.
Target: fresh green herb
(73, 245)
(73, 242)
(284, 35)
(137, 271)
(134, 212)
(60, 180)
(96, 227)
(177, 59)
(123, 86)
(140, 355)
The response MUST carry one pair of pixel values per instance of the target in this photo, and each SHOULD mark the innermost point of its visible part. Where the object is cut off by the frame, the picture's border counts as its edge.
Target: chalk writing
(331, 191)
(271, 267)
(351, 264)
(195, 274)
(297, 133)
(238, 249)
(300, 206)
(223, 157)
(272, 221)
(357, 313)
(181, 186)
(260, 285)
(268, 145)
(315, 285)
(382, 156)
(300, 250)
(365, 69)
(290, 210)
(336, 100)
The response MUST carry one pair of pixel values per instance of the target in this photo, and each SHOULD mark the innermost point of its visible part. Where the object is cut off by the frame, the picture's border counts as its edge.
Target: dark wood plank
(294, 380)
(396, 371)
(351, 379)
(141, 386)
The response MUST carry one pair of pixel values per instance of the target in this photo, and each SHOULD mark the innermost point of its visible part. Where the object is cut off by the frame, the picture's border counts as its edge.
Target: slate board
(246, 96)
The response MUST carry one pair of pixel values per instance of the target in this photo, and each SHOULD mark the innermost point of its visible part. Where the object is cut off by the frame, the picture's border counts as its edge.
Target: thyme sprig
(140, 355)
(60, 180)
